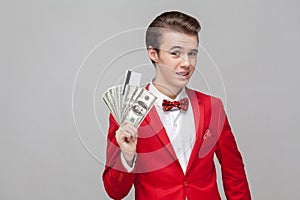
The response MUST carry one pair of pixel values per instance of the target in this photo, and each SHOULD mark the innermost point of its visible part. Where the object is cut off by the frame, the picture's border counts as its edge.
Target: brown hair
(174, 21)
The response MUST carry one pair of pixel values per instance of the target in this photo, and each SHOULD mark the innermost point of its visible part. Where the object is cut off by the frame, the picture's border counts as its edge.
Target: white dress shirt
(179, 126)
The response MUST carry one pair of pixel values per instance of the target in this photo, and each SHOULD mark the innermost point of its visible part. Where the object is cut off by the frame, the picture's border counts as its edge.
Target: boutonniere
(206, 134)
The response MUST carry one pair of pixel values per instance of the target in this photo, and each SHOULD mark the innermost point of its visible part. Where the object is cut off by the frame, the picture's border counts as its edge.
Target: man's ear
(153, 54)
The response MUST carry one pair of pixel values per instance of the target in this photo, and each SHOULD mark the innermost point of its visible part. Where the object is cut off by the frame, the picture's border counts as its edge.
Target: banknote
(140, 107)
(129, 101)
(129, 92)
(108, 102)
(133, 106)
(134, 93)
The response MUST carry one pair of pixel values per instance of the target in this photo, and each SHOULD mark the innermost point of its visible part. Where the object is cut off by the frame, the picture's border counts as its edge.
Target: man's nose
(185, 61)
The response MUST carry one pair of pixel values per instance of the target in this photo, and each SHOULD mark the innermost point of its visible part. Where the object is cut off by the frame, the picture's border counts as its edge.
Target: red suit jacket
(157, 173)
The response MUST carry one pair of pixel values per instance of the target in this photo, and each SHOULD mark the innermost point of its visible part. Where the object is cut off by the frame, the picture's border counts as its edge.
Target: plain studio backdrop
(57, 57)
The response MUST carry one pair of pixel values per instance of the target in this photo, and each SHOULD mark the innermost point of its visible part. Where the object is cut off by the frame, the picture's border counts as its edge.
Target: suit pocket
(209, 141)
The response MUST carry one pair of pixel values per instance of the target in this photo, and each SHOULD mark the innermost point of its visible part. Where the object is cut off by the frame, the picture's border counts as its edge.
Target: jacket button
(185, 183)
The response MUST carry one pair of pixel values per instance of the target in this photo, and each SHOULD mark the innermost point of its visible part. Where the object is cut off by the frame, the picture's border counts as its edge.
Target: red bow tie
(181, 104)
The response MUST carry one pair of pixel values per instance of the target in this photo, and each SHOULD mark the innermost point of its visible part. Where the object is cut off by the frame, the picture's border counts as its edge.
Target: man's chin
(181, 85)
(183, 82)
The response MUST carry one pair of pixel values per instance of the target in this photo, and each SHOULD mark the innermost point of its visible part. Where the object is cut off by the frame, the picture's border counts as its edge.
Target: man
(170, 156)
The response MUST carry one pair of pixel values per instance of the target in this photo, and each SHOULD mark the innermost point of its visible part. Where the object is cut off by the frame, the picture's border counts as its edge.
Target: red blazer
(157, 173)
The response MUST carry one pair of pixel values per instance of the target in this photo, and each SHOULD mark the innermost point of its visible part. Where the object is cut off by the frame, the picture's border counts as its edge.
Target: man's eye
(193, 53)
(175, 53)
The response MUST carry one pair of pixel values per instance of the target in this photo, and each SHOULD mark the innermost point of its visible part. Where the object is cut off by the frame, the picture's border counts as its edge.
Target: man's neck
(171, 93)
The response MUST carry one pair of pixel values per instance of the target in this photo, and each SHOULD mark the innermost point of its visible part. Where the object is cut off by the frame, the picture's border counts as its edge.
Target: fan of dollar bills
(129, 101)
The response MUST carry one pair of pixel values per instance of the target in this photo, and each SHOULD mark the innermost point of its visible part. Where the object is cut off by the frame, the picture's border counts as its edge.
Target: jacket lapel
(152, 125)
(199, 117)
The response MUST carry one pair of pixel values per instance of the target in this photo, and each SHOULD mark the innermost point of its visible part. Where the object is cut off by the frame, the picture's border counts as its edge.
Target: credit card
(131, 78)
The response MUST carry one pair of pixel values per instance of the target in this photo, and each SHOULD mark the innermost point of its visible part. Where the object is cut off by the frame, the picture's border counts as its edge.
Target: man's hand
(126, 137)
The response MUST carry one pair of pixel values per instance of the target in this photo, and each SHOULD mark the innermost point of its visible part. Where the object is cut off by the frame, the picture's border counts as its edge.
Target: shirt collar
(160, 96)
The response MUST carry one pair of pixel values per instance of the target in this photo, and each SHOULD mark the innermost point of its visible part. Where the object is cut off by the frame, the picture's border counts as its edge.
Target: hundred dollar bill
(125, 97)
(108, 102)
(134, 94)
(140, 107)
(120, 99)
(117, 93)
(113, 97)
(129, 92)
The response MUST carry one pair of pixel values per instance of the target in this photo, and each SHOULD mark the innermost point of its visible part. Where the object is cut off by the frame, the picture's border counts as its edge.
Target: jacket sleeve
(232, 167)
(117, 181)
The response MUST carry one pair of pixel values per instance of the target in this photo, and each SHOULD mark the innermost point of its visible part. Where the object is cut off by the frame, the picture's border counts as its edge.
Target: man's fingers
(126, 133)
(123, 135)
(129, 128)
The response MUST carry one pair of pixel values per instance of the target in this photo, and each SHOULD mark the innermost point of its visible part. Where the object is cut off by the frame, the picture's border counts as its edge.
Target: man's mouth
(182, 73)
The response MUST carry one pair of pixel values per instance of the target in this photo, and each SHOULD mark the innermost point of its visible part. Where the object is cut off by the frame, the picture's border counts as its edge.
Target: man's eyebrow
(180, 47)
(176, 47)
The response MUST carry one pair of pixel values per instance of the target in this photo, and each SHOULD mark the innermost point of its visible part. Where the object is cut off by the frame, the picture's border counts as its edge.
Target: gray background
(255, 44)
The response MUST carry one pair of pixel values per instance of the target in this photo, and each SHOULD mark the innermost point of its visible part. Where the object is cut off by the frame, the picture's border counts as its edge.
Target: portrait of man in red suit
(170, 156)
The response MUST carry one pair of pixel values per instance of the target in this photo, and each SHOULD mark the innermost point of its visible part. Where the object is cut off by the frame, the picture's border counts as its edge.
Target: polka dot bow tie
(182, 104)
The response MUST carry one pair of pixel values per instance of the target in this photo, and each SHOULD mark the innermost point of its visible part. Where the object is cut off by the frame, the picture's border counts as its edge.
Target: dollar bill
(136, 92)
(117, 96)
(108, 102)
(120, 99)
(140, 107)
(129, 101)
(130, 91)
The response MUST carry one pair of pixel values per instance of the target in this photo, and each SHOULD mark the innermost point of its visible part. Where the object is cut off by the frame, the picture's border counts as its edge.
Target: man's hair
(170, 21)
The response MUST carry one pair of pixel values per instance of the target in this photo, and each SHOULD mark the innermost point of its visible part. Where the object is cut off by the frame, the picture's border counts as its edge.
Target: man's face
(176, 60)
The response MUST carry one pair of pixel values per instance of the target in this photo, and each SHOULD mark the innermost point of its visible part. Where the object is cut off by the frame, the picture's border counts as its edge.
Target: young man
(170, 156)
